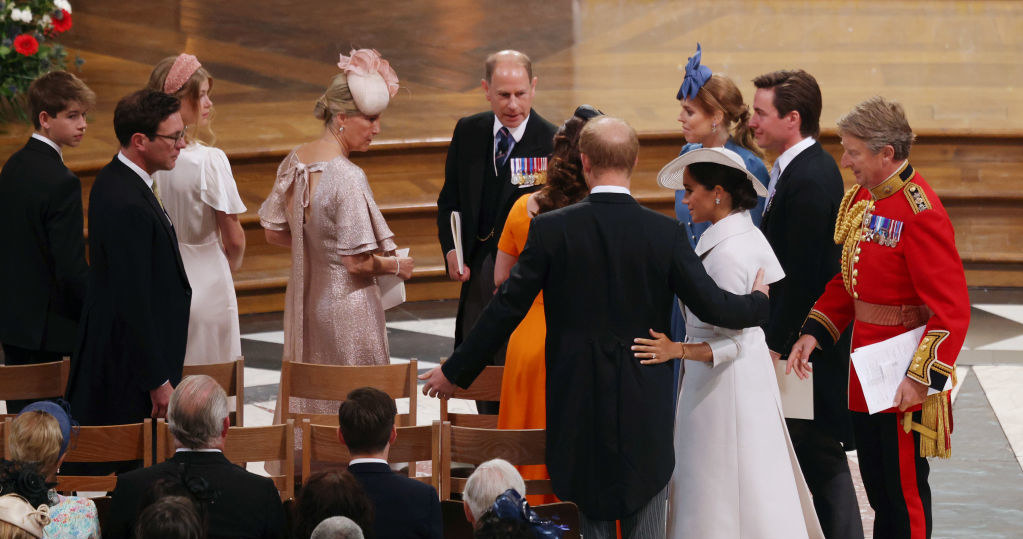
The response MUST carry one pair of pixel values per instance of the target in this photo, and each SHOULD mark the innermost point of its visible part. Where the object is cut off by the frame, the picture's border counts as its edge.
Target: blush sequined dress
(330, 316)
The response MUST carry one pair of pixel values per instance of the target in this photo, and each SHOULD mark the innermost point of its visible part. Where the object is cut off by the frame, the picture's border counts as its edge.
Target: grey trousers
(647, 523)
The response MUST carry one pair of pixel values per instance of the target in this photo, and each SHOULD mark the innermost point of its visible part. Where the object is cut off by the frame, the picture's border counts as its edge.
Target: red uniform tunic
(901, 254)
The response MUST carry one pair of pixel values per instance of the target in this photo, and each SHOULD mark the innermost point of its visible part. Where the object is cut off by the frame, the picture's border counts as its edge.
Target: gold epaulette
(916, 197)
(847, 232)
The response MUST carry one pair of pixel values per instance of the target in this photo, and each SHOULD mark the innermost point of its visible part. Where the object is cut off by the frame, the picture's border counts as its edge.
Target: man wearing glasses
(131, 344)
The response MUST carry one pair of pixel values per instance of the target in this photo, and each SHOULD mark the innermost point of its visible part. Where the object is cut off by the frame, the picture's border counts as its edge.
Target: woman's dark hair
(332, 493)
(170, 517)
(732, 180)
(565, 183)
(24, 479)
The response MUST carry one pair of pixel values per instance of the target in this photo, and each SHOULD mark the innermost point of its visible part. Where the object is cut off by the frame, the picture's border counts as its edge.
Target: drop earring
(714, 127)
(717, 201)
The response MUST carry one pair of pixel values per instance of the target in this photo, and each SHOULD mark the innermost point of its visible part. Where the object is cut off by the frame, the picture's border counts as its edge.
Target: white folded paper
(392, 288)
(882, 366)
(456, 234)
(796, 394)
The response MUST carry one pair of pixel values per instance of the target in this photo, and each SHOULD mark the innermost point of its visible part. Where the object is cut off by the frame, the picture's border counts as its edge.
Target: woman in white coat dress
(736, 475)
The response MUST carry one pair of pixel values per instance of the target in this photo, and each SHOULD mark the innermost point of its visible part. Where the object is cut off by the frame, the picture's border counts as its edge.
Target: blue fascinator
(511, 506)
(696, 76)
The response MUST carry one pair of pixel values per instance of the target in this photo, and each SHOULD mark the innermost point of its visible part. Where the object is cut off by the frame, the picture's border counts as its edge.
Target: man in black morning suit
(42, 278)
(132, 336)
(237, 503)
(799, 222)
(402, 507)
(477, 179)
(608, 269)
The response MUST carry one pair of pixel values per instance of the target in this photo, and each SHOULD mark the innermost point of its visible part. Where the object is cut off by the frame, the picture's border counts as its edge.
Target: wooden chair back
(249, 444)
(413, 444)
(231, 376)
(39, 381)
(112, 443)
(474, 446)
(486, 387)
(333, 382)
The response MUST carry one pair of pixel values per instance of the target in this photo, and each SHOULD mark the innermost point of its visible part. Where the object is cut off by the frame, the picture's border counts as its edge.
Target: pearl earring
(714, 127)
(717, 200)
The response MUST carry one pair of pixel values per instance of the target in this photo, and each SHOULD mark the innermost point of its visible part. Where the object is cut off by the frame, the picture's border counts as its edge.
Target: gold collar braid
(847, 232)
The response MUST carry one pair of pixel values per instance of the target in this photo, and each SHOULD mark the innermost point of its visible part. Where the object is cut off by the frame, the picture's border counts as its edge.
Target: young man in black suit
(402, 507)
(478, 180)
(42, 282)
(237, 503)
(799, 222)
(132, 339)
(608, 268)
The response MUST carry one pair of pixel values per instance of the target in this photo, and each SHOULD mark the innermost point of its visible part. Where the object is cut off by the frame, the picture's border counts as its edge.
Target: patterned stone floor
(978, 493)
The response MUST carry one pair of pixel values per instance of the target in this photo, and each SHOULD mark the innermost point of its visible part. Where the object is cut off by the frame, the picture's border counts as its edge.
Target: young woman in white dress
(736, 474)
(202, 201)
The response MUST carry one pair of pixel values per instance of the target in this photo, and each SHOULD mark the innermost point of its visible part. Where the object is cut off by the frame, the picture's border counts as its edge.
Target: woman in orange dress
(523, 398)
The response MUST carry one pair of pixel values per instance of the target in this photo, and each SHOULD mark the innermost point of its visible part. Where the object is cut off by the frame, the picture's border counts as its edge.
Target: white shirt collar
(204, 450)
(788, 155)
(516, 132)
(610, 189)
(138, 170)
(730, 225)
(49, 143)
(366, 461)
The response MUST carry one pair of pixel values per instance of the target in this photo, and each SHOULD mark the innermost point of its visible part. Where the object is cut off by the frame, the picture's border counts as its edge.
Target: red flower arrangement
(61, 22)
(26, 45)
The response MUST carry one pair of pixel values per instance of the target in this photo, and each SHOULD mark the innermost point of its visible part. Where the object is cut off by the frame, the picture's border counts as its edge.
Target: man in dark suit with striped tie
(132, 336)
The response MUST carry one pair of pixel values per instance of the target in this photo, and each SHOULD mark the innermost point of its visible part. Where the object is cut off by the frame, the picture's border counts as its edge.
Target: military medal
(528, 171)
(884, 231)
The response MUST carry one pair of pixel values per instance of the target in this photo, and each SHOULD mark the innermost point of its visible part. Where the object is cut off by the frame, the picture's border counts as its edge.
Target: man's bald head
(197, 411)
(609, 144)
(507, 56)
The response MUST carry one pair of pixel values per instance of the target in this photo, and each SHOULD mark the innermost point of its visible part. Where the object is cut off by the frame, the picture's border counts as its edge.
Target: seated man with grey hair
(486, 483)
(237, 503)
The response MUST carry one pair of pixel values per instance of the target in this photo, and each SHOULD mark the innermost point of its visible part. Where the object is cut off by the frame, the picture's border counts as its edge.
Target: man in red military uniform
(900, 271)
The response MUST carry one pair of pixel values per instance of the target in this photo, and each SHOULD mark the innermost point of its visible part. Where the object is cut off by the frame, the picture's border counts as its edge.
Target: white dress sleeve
(217, 186)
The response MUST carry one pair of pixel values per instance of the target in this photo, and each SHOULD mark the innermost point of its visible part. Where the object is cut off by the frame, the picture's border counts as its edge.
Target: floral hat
(370, 78)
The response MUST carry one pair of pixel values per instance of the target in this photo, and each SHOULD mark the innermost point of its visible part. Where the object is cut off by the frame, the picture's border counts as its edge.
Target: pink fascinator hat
(370, 78)
(185, 65)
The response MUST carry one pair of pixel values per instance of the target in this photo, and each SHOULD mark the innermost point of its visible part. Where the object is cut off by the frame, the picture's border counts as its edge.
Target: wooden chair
(333, 382)
(413, 444)
(474, 446)
(112, 443)
(231, 376)
(39, 381)
(486, 387)
(249, 444)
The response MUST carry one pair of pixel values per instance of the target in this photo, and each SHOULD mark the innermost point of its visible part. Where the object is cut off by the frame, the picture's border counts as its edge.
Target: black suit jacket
(403, 507)
(246, 505)
(608, 269)
(42, 280)
(135, 322)
(800, 226)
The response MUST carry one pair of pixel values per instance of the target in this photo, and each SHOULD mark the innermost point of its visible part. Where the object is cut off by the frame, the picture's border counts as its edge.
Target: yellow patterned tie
(156, 191)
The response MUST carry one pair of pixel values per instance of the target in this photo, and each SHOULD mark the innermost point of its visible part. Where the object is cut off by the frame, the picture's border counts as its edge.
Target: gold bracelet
(683, 356)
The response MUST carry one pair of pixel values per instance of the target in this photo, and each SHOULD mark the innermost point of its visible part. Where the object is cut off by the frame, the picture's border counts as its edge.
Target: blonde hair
(188, 92)
(721, 93)
(36, 438)
(879, 123)
(337, 99)
(10, 531)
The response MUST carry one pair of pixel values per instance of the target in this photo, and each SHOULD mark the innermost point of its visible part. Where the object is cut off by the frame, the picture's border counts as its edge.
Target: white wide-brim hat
(671, 175)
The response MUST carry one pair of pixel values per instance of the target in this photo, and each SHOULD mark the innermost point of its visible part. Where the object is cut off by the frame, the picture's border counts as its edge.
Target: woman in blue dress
(713, 114)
